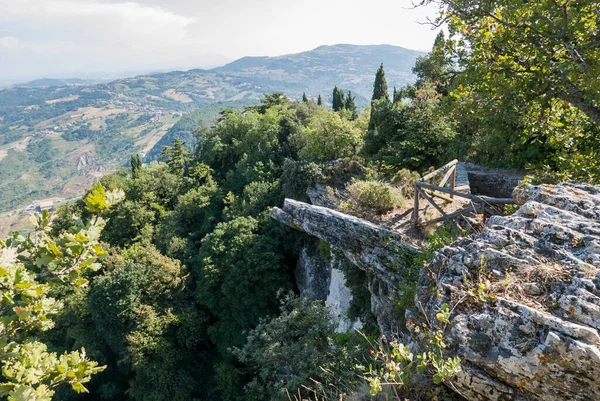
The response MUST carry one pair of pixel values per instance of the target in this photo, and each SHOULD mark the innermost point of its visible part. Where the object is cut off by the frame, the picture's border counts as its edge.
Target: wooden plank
(447, 176)
(483, 199)
(439, 209)
(415, 215)
(436, 172)
(445, 198)
(456, 213)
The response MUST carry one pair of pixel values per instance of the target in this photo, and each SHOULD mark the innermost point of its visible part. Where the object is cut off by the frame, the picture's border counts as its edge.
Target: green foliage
(297, 349)
(177, 158)
(268, 101)
(29, 371)
(350, 106)
(136, 164)
(237, 264)
(360, 306)
(329, 136)
(413, 262)
(370, 199)
(338, 99)
(297, 177)
(521, 80)
(405, 180)
(396, 366)
(380, 88)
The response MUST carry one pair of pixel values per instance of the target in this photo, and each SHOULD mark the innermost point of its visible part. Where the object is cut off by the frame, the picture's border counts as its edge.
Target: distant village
(117, 101)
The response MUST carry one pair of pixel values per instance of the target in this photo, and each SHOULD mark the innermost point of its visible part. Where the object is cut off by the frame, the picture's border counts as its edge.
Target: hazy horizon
(75, 38)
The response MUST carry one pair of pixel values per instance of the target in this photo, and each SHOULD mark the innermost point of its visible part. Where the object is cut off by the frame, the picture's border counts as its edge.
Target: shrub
(297, 177)
(371, 198)
(296, 353)
(404, 180)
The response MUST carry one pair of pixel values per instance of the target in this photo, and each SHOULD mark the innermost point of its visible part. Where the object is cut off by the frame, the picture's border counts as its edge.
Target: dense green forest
(173, 278)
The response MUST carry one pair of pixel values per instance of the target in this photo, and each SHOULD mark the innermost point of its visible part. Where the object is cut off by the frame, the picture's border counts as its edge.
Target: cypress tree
(304, 98)
(338, 99)
(319, 101)
(350, 105)
(397, 96)
(380, 88)
(136, 165)
(379, 103)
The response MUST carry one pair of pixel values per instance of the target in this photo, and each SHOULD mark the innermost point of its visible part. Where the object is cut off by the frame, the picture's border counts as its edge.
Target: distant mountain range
(57, 136)
(49, 82)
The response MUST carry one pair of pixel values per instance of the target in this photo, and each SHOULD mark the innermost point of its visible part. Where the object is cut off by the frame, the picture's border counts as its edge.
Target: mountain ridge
(45, 132)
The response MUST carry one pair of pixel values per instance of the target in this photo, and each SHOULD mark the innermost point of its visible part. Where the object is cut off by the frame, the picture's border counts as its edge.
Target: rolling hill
(56, 140)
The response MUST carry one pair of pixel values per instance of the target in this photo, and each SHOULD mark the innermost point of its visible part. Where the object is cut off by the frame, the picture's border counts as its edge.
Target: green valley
(56, 140)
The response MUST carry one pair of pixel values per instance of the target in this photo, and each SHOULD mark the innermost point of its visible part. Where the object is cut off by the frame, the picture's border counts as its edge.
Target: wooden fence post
(415, 215)
(453, 182)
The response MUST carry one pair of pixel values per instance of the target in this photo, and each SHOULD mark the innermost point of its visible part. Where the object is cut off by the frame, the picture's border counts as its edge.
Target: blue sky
(41, 38)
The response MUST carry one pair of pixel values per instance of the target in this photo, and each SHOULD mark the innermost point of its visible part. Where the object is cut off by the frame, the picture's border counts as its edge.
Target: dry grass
(532, 284)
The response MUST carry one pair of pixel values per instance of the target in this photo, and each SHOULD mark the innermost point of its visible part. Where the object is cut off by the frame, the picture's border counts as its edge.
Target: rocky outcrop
(525, 292)
(84, 163)
(339, 297)
(372, 248)
(496, 185)
(318, 276)
(531, 331)
(313, 273)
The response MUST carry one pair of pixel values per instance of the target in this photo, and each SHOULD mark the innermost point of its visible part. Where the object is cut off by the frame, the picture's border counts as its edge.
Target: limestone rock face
(313, 273)
(377, 250)
(533, 332)
(525, 293)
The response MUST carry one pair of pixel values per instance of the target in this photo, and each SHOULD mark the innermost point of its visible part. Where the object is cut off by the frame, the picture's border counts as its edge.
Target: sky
(77, 38)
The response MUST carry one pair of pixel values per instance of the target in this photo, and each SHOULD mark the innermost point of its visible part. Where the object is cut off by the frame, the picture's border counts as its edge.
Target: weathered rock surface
(536, 335)
(313, 273)
(319, 277)
(375, 249)
(339, 297)
(496, 185)
(532, 332)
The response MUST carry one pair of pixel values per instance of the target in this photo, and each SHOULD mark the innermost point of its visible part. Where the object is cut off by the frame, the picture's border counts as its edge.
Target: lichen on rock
(536, 335)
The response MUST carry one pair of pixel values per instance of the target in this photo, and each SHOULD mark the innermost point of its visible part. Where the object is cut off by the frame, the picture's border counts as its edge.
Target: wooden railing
(429, 191)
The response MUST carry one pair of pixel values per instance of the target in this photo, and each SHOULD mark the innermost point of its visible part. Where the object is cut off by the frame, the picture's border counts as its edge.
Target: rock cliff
(533, 332)
(525, 291)
(377, 250)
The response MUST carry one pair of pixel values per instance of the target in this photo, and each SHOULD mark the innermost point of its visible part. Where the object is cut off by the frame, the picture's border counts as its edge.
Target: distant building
(46, 205)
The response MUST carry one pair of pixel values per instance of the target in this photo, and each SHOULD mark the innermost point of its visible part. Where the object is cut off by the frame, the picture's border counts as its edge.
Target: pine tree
(338, 99)
(380, 88)
(319, 101)
(440, 41)
(177, 157)
(304, 98)
(350, 105)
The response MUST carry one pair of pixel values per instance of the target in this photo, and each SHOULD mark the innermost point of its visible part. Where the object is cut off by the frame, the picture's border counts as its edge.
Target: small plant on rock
(396, 365)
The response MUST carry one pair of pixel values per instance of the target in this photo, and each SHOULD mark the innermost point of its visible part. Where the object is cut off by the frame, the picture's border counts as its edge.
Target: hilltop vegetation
(89, 130)
(191, 293)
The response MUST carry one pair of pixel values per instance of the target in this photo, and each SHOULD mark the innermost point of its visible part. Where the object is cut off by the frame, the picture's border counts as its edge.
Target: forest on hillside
(169, 280)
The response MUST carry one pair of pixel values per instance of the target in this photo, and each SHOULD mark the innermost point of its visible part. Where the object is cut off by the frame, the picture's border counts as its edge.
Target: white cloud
(63, 36)
(9, 42)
